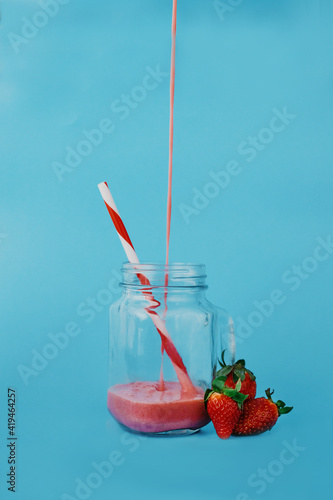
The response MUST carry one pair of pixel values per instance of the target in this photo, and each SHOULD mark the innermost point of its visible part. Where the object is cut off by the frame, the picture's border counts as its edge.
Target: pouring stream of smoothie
(169, 199)
(138, 405)
(172, 97)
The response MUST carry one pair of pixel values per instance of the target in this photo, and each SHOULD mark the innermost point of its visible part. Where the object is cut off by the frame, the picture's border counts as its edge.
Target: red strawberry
(238, 371)
(223, 406)
(259, 415)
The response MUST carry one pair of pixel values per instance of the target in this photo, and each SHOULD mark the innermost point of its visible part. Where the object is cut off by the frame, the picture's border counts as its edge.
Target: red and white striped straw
(118, 223)
(167, 343)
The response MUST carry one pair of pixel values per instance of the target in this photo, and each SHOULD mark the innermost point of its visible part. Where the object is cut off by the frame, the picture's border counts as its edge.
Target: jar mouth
(179, 274)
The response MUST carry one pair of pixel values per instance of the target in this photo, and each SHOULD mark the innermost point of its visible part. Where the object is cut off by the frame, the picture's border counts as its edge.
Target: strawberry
(238, 371)
(223, 405)
(259, 415)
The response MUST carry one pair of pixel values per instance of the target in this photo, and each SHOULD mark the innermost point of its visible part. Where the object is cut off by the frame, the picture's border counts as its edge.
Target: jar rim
(187, 269)
(179, 274)
(160, 265)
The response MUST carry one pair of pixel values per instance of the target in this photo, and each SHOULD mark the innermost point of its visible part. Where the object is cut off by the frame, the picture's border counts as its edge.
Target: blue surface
(58, 247)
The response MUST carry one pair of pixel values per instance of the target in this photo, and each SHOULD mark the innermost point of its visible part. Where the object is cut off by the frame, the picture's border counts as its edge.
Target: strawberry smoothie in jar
(165, 340)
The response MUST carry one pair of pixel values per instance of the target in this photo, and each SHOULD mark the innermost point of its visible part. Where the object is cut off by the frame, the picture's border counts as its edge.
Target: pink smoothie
(142, 407)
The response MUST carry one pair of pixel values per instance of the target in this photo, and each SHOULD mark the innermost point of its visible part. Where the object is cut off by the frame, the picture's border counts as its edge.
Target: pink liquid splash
(141, 406)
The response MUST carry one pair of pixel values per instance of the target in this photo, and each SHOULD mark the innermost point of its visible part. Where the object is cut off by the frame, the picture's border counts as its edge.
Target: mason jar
(165, 341)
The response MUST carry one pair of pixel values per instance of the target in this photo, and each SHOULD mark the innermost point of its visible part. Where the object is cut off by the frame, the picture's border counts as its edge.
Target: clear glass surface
(145, 392)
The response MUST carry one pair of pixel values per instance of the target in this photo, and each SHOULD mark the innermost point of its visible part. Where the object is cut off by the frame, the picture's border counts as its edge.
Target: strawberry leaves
(283, 409)
(238, 369)
(218, 386)
(218, 383)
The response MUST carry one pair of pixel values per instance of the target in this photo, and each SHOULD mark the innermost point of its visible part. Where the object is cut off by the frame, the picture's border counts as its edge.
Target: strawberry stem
(281, 405)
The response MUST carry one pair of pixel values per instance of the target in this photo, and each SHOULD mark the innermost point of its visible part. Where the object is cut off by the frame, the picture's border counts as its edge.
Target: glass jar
(164, 345)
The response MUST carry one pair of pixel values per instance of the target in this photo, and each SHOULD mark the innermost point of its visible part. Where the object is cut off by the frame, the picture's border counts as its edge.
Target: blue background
(58, 247)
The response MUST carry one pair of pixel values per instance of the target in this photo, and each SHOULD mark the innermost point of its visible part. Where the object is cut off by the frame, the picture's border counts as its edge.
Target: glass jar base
(173, 433)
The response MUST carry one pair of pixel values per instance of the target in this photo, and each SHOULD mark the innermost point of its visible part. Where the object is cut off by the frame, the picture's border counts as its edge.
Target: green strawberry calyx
(218, 386)
(281, 406)
(238, 369)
